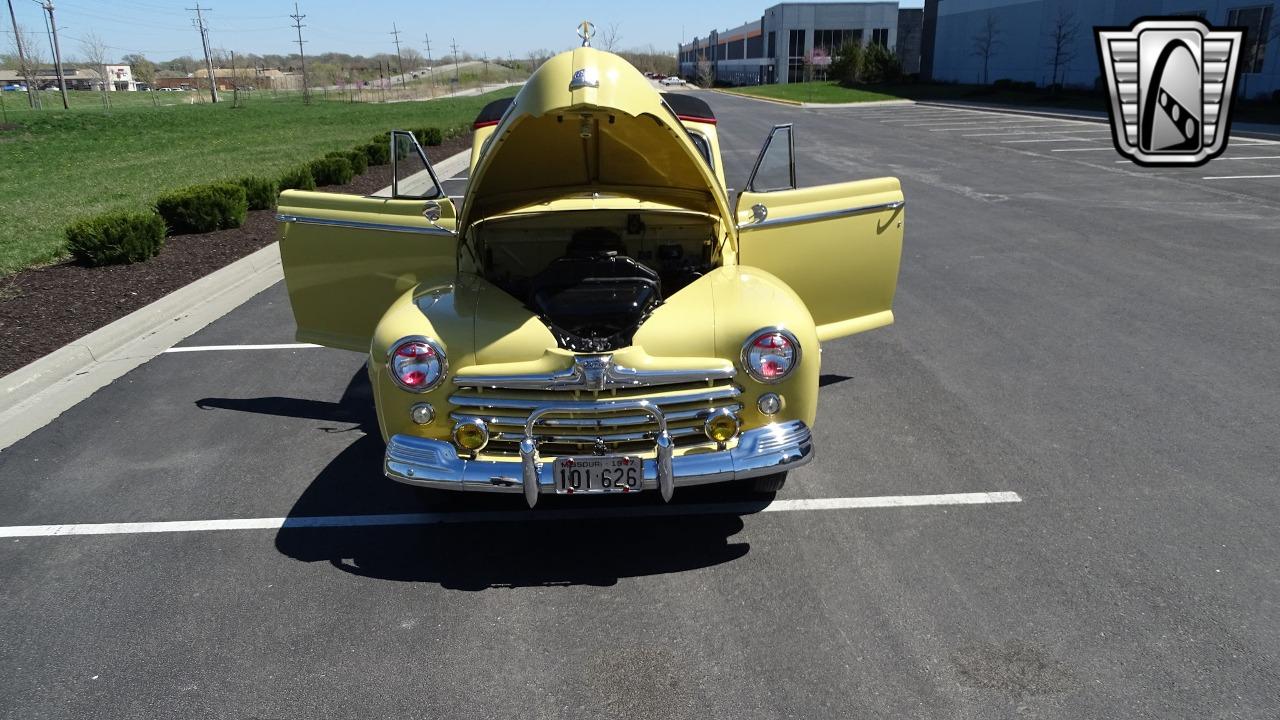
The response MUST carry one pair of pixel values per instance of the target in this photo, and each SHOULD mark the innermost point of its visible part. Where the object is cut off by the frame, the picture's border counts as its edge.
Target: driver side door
(347, 258)
(838, 246)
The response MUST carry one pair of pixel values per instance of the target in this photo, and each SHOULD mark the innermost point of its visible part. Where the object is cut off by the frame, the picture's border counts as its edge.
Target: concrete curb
(34, 395)
(816, 105)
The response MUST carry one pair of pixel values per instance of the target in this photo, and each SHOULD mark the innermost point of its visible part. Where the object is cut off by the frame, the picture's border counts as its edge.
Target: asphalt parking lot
(1091, 343)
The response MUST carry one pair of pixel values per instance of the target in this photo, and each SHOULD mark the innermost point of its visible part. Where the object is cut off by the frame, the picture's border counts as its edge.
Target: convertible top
(686, 107)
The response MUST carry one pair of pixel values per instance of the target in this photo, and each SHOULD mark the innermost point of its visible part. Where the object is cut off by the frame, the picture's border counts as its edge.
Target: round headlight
(417, 364)
(770, 355)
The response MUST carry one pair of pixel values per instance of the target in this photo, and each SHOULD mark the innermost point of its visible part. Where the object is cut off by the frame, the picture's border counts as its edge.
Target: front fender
(748, 299)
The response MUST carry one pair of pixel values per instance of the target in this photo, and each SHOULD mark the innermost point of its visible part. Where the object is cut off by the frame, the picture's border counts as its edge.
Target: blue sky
(161, 29)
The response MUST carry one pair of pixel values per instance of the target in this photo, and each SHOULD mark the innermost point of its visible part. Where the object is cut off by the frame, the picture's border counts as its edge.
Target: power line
(33, 98)
(203, 27)
(297, 24)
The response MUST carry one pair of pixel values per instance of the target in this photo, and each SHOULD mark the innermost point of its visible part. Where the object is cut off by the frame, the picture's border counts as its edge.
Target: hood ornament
(586, 31)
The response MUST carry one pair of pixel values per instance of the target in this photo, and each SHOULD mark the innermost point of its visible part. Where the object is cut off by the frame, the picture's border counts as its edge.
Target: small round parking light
(769, 403)
(417, 364)
(721, 426)
(422, 413)
(770, 355)
(471, 435)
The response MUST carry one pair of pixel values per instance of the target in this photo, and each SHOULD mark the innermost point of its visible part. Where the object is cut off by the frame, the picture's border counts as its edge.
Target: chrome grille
(584, 416)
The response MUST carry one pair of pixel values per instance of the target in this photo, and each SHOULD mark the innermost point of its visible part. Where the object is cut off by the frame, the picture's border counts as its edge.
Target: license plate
(599, 474)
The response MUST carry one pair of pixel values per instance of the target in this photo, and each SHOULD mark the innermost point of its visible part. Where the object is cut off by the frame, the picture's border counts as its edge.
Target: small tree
(706, 73)
(1062, 42)
(95, 51)
(846, 67)
(986, 43)
(30, 45)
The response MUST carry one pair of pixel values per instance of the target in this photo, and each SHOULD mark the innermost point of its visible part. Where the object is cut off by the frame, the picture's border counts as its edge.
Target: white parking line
(1251, 157)
(210, 348)
(505, 516)
(1052, 140)
(984, 121)
(1040, 132)
(1239, 177)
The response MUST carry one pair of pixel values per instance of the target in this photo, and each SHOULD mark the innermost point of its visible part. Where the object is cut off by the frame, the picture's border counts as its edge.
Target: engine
(593, 294)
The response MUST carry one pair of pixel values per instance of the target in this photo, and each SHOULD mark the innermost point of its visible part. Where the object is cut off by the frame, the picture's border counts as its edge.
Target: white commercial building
(790, 42)
(1023, 48)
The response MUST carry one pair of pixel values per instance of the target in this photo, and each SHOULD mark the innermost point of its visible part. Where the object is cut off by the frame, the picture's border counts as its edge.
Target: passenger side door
(347, 257)
(838, 246)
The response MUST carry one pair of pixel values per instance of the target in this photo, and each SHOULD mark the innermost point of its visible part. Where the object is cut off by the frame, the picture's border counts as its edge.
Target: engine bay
(594, 276)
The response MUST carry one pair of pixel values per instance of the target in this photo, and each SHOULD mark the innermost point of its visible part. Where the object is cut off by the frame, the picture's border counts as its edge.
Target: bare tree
(95, 52)
(610, 38)
(986, 43)
(33, 59)
(1062, 42)
(706, 73)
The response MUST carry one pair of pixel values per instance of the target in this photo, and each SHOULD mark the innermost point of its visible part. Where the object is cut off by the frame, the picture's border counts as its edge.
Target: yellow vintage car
(597, 315)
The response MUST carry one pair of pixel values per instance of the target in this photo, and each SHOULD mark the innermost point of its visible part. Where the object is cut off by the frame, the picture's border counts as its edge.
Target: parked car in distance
(613, 322)
(672, 80)
(13, 87)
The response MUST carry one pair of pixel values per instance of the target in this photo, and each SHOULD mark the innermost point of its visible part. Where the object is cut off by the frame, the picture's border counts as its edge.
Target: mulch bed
(43, 309)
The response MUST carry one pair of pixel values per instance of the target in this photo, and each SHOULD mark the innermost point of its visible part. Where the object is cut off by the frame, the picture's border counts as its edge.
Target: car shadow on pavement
(514, 551)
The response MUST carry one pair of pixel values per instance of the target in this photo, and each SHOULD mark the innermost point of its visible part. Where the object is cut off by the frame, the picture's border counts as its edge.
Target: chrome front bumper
(435, 463)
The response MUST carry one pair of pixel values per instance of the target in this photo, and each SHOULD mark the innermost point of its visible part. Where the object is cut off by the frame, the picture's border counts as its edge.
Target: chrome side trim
(774, 448)
(827, 215)
(593, 372)
(466, 400)
(359, 225)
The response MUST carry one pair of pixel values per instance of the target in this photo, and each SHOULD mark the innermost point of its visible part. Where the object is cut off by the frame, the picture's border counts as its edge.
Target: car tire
(767, 483)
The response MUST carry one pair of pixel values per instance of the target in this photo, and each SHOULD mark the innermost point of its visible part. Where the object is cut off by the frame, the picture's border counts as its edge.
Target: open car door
(838, 246)
(346, 257)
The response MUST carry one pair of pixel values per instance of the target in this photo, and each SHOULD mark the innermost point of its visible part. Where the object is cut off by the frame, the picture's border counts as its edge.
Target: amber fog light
(471, 435)
(721, 426)
(422, 413)
(769, 403)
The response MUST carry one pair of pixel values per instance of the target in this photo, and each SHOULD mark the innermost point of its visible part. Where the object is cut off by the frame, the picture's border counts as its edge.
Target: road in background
(1096, 337)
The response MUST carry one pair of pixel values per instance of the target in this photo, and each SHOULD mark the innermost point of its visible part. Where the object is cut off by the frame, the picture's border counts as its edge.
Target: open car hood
(588, 122)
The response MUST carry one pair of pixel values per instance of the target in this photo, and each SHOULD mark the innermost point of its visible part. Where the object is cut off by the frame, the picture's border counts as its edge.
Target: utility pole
(297, 24)
(396, 33)
(57, 53)
(430, 65)
(203, 27)
(32, 96)
(456, 77)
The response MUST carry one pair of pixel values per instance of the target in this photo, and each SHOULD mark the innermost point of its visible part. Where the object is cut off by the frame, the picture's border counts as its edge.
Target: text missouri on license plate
(599, 474)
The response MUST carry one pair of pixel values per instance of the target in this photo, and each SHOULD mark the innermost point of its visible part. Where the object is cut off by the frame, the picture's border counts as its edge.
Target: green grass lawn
(817, 92)
(57, 166)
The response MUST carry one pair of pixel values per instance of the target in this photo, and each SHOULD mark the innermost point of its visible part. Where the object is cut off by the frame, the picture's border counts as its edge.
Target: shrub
(879, 64)
(260, 193)
(332, 171)
(299, 178)
(428, 137)
(119, 237)
(203, 208)
(359, 161)
(378, 153)
(847, 63)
